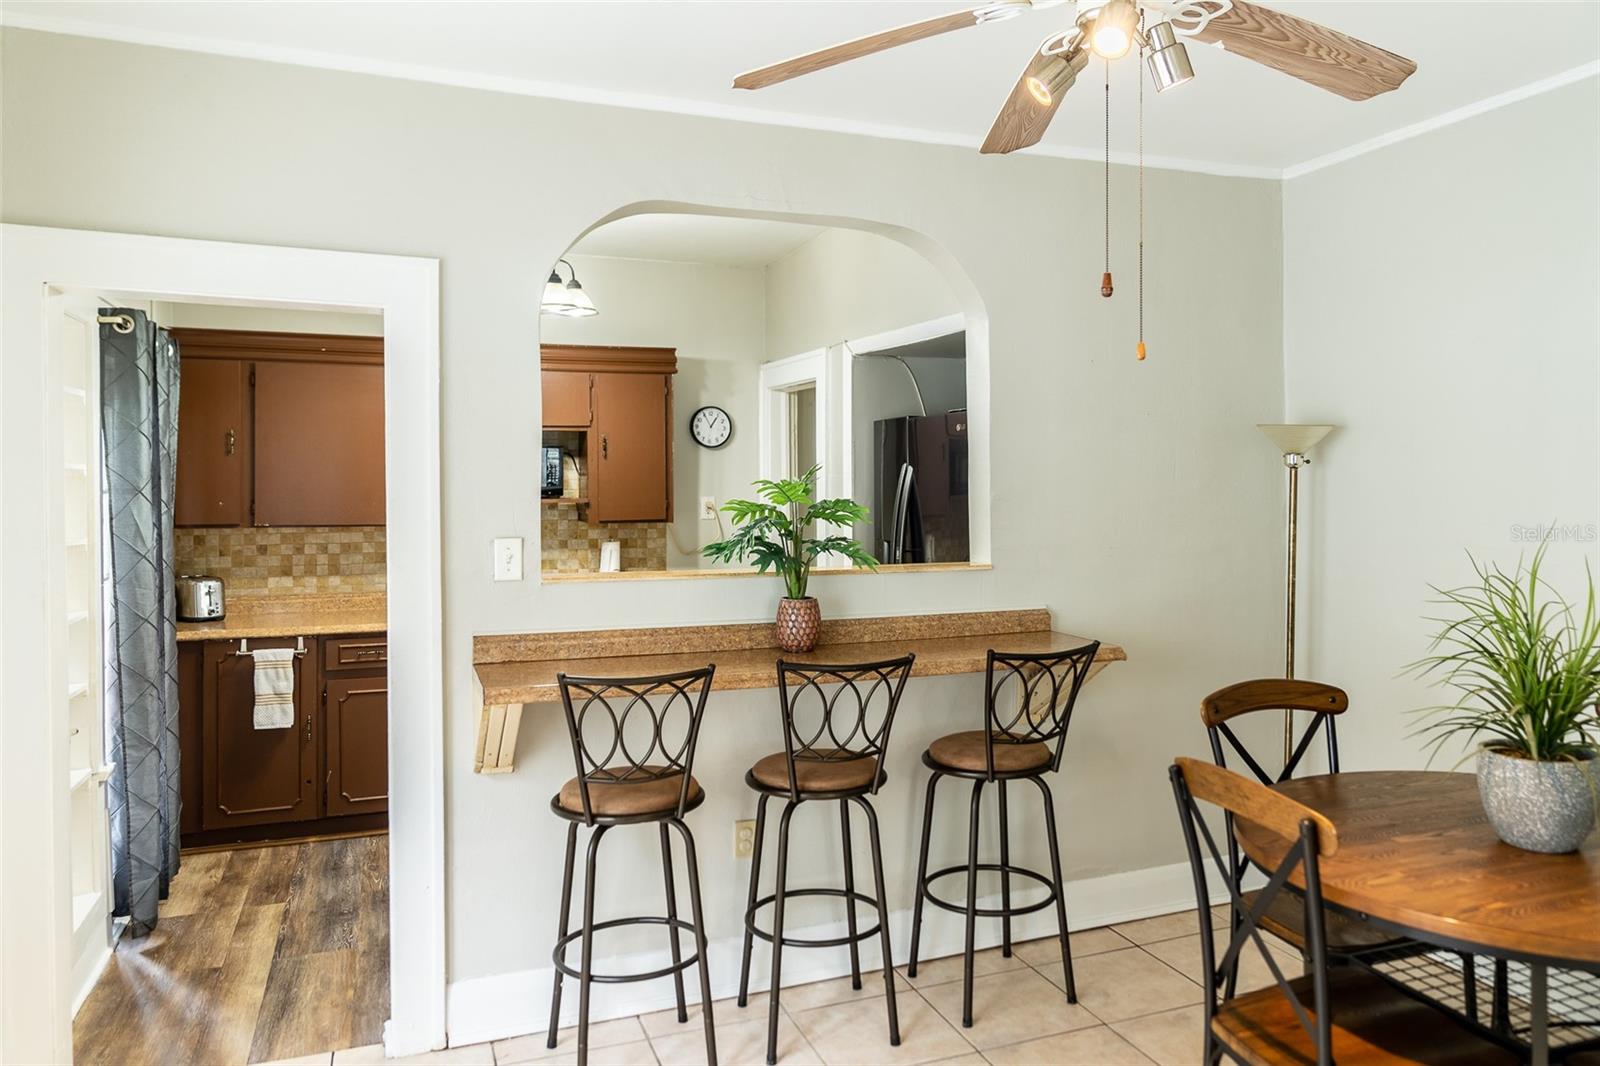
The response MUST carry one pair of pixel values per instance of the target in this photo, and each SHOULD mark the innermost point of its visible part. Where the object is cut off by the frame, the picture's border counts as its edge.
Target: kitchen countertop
(293, 615)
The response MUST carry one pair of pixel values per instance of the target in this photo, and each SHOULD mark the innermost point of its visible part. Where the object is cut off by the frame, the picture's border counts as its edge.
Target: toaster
(199, 598)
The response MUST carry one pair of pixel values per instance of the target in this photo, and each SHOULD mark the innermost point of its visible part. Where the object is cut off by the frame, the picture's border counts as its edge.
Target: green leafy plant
(774, 531)
(1525, 662)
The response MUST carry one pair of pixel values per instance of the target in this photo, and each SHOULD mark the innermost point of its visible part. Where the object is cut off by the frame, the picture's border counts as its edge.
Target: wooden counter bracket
(518, 669)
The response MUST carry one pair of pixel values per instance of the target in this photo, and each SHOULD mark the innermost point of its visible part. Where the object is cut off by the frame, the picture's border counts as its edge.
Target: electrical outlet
(708, 508)
(744, 838)
(508, 558)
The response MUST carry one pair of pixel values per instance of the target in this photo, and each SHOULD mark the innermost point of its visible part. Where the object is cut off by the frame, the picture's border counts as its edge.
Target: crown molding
(1448, 118)
(461, 79)
(499, 83)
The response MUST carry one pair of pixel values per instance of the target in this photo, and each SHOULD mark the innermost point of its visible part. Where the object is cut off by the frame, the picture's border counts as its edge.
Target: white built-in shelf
(74, 617)
(76, 392)
(78, 545)
(80, 688)
(78, 778)
(81, 469)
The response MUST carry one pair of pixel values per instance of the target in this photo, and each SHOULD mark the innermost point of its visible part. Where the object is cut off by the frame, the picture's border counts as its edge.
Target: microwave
(550, 476)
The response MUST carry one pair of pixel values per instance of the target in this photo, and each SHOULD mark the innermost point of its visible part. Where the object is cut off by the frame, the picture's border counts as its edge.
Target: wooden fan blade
(1023, 119)
(862, 46)
(1326, 58)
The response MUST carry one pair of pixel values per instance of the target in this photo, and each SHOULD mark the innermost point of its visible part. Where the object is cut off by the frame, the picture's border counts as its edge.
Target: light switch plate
(508, 558)
(708, 508)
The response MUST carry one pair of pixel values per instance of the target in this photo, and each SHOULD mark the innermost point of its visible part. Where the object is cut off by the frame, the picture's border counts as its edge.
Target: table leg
(1539, 1009)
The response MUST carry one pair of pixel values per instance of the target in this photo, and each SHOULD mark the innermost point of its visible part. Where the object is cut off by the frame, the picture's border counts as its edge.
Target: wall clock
(711, 427)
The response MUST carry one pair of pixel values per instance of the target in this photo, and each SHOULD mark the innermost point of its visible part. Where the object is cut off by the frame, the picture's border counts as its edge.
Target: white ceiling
(677, 55)
(725, 241)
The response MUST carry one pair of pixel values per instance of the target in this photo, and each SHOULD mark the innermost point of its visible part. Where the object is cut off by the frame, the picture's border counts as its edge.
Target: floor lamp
(1295, 442)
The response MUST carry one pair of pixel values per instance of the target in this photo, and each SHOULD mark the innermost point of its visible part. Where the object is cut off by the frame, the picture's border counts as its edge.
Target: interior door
(319, 444)
(358, 745)
(213, 443)
(631, 457)
(255, 776)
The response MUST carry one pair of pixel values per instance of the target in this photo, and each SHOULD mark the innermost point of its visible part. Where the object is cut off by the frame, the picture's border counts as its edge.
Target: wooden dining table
(1418, 857)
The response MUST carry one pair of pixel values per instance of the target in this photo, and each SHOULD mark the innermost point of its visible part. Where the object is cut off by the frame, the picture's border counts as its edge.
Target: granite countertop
(293, 615)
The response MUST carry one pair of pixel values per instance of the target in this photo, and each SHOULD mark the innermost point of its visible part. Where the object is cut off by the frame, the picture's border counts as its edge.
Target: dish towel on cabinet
(274, 688)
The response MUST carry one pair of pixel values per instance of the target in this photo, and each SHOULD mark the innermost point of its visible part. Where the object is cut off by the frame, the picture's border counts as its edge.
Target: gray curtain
(139, 415)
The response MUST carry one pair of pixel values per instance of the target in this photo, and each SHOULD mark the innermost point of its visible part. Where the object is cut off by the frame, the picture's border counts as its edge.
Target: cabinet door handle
(228, 440)
(308, 727)
(605, 448)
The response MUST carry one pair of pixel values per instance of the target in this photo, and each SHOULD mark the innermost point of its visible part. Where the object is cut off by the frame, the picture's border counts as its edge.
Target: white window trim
(34, 798)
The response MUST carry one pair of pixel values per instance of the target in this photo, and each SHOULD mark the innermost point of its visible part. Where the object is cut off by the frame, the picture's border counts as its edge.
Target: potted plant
(1527, 666)
(775, 532)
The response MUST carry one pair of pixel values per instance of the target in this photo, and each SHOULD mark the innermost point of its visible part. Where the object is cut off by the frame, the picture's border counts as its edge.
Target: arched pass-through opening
(857, 345)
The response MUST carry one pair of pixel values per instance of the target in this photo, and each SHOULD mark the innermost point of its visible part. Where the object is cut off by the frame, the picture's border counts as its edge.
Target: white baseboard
(512, 1004)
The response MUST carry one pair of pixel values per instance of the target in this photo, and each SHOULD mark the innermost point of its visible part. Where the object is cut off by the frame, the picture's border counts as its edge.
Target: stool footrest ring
(990, 912)
(557, 956)
(802, 942)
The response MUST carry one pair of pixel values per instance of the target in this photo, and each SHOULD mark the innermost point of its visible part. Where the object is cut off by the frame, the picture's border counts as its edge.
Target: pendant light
(565, 298)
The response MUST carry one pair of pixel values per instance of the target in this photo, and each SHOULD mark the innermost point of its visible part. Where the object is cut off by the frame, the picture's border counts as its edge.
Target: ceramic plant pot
(799, 622)
(1538, 806)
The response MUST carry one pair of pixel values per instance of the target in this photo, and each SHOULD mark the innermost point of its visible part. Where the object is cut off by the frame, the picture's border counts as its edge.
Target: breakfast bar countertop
(256, 617)
(514, 670)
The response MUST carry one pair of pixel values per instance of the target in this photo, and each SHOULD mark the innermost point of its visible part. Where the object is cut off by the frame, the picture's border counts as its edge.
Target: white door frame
(35, 1012)
(778, 378)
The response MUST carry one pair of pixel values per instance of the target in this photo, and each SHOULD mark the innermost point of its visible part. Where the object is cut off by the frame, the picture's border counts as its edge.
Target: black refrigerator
(919, 511)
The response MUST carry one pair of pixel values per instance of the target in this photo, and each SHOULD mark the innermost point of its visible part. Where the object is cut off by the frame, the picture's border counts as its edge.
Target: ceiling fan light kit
(1168, 59)
(1110, 28)
(1056, 76)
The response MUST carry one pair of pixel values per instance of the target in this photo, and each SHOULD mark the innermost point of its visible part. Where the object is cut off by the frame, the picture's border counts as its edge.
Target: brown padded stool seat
(815, 775)
(622, 799)
(1372, 1023)
(964, 751)
(1286, 919)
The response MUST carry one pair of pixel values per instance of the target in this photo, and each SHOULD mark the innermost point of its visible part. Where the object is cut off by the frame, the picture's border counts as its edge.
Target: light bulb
(1114, 25)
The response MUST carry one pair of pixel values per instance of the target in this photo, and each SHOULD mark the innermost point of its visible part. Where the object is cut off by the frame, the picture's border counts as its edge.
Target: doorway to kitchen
(230, 927)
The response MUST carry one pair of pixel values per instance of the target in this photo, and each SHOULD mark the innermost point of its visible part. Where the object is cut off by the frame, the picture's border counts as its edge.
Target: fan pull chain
(1105, 279)
(1139, 351)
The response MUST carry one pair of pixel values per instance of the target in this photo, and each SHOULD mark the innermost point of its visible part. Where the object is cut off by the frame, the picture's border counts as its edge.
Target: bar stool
(1028, 701)
(633, 740)
(833, 749)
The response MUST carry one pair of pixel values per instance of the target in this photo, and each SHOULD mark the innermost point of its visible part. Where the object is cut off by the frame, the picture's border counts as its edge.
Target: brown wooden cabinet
(318, 444)
(567, 402)
(238, 782)
(213, 443)
(621, 401)
(279, 429)
(632, 454)
(356, 701)
(254, 776)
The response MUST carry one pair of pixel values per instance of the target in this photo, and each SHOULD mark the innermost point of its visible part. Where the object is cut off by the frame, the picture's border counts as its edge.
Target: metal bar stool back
(836, 722)
(1027, 707)
(633, 744)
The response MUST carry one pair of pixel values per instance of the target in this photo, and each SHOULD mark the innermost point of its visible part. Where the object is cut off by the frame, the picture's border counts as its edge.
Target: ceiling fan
(1326, 58)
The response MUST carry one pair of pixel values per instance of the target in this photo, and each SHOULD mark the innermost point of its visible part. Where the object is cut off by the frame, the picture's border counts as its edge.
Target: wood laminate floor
(260, 954)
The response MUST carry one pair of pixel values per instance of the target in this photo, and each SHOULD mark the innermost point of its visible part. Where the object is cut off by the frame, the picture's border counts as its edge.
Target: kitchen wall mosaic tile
(571, 545)
(295, 559)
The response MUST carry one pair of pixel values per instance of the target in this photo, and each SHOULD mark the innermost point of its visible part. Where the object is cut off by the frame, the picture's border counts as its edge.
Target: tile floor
(1138, 1002)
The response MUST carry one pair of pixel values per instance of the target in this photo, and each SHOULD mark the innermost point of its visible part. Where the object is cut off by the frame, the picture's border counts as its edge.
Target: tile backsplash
(568, 544)
(294, 559)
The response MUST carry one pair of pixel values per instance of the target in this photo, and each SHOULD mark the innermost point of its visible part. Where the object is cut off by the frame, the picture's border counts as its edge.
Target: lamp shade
(555, 300)
(1295, 439)
(578, 303)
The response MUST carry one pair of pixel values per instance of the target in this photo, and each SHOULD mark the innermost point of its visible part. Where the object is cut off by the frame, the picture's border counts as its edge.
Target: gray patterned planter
(1538, 806)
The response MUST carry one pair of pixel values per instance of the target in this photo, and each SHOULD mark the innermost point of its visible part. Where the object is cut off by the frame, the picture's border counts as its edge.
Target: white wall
(715, 316)
(1130, 498)
(1440, 306)
(280, 319)
(843, 284)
